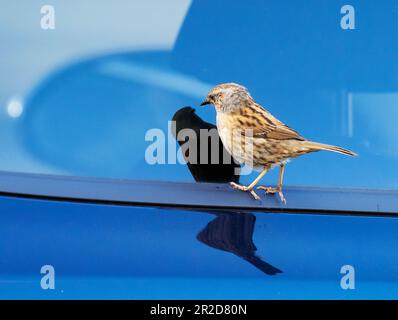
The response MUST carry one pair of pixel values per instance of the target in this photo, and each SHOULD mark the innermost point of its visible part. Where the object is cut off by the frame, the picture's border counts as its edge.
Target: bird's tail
(315, 146)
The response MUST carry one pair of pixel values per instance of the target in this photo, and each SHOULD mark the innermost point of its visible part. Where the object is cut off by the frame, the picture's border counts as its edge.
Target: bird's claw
(245, 189)
(270, 190)
(255, 196)
(282, 197)
(238, 186)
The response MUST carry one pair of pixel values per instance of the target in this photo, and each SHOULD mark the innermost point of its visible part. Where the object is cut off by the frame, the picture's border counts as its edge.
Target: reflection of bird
(204, 171)
(254, 137)
(233, 232)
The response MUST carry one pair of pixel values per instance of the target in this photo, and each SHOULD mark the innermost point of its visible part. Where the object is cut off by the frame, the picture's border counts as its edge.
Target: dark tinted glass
(79, 99)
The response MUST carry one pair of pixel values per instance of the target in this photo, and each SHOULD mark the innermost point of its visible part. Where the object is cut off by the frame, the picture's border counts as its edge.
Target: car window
(87, 88)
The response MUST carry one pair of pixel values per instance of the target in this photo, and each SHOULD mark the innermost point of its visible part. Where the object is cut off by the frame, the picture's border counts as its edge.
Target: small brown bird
(255, 137)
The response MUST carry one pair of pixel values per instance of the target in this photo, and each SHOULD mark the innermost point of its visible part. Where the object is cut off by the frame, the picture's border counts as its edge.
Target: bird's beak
(206, 102)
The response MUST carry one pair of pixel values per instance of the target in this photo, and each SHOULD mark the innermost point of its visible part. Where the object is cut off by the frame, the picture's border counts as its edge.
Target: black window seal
(196, 195)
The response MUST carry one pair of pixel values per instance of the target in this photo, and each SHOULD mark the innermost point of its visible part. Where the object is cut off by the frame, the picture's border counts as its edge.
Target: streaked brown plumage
(255, 137)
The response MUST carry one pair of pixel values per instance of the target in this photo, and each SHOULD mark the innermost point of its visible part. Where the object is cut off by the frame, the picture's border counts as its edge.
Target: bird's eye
(211, 97)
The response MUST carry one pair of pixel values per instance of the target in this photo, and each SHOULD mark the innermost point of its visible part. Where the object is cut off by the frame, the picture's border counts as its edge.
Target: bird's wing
(264, 124)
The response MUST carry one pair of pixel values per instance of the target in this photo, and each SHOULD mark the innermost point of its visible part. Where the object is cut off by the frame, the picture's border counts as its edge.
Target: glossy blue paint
(112, 252)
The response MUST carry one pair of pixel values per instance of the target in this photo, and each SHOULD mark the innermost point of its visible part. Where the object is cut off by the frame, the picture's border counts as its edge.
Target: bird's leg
(250, 187)
(281, 172)
(279, 189)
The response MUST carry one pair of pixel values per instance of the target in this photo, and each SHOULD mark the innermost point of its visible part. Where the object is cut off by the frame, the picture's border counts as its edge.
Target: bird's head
(227, 97)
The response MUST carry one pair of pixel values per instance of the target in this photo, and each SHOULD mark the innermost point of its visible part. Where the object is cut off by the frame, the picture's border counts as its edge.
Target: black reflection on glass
(233, 232)
(186, 118)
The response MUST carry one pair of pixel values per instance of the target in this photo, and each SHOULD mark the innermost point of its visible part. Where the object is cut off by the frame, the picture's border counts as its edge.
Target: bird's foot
(245, 189)
(270, 190)
(282, 197)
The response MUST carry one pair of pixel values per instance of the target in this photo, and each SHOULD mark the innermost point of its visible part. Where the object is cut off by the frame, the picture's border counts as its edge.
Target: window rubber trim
(196, 195)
